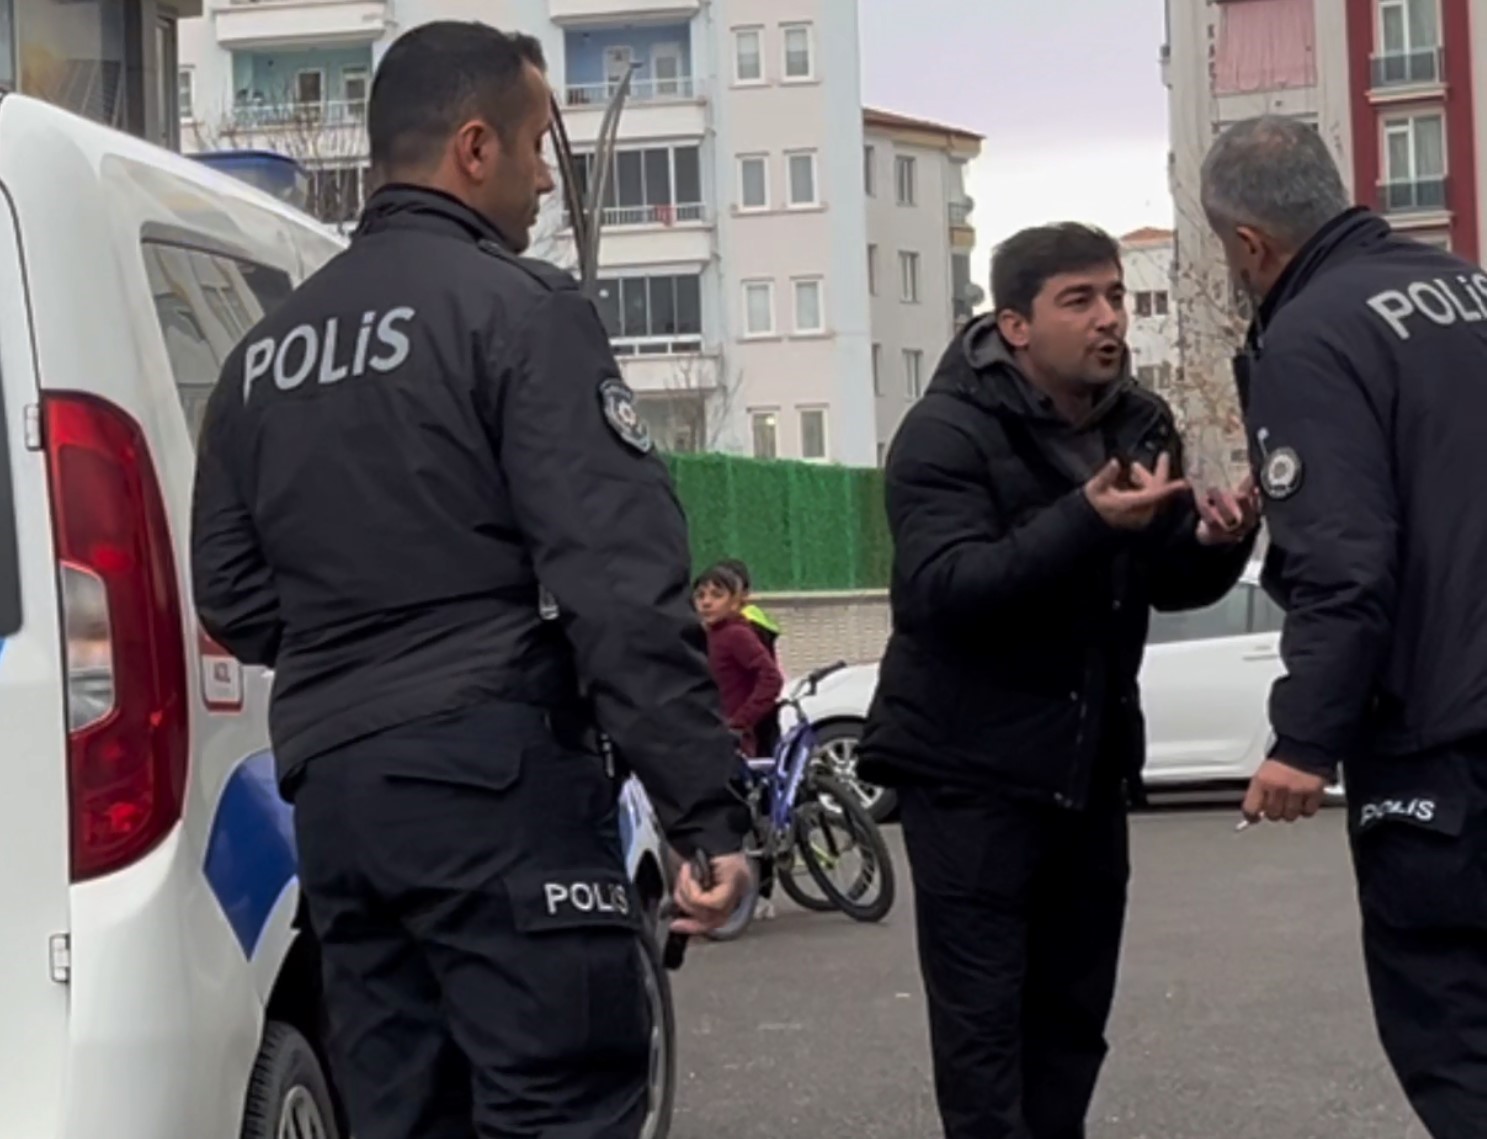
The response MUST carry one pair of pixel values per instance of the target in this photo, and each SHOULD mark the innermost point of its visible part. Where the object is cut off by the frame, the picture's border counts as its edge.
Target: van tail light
(127, 704)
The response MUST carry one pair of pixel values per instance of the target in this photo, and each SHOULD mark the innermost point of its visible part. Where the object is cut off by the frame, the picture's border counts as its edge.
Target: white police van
(157, 980)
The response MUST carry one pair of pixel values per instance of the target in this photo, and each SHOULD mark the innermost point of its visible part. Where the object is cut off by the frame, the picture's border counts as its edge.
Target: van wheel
(661, 1084)
(288, 1096)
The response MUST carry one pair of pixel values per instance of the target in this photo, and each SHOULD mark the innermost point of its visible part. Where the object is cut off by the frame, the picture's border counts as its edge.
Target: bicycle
(791, 800)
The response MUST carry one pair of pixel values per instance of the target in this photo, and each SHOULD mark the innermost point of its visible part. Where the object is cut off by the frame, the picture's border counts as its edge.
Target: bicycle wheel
(795, 877)
(869, 895)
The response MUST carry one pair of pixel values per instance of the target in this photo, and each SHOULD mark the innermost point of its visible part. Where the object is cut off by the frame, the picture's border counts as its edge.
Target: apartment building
(111, 60)
(1148, 258)
(920, 239)
(1391, 85)
(734, 214)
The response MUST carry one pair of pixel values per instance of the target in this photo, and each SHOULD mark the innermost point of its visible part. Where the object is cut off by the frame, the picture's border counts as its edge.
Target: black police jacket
(1364, 383)
(1019, 615)
(394, 467)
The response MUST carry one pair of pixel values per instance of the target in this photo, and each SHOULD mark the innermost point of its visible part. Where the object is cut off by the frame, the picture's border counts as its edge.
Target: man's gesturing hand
(1282, 792)
(1131, 502)
(703, 910)
(1225, 517)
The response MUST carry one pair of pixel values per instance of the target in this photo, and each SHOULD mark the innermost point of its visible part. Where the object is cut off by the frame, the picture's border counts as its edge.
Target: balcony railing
(1408, 68)
(1418, 195)
(682, 344)
(622, 216)
(678, 90)
(270, 116)
(960, 213)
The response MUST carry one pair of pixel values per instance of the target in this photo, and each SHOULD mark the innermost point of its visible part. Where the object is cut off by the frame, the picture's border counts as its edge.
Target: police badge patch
(1280, 476)
(624, 420)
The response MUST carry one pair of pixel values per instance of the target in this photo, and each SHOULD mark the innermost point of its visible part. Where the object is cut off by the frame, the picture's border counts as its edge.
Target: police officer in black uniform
(1364, 380)
(426, 500)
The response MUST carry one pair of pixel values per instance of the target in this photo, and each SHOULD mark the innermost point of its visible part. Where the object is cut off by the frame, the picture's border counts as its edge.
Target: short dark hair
(1026, 261)
(721, 576)
(439, 75)
(1275, 174)
(740, 570)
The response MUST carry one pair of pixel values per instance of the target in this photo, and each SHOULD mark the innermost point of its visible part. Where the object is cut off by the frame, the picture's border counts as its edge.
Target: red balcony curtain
(1265, 45)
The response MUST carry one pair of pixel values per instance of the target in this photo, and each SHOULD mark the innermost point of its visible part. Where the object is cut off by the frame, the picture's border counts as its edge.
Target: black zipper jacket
(1364, 383)
(1020, 616)
(395, 465)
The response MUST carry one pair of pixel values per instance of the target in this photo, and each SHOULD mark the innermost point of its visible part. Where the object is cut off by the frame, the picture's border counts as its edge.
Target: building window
(1440, 240)
(656, 185)
(748, 55)
(758, 308)
(354, 87)
(766, 431)
(872, 270)
(186, 93)
(309, 88)
(803, 179)
(906, 179)
(652, 316)
(1150, 303)
(810, 312)
(1414, 163)
(813, 433)
(1409, 41)
(877, 370)
(800, 63)
(908, 272)
(753, 182)
(869, 172)
(914, 372)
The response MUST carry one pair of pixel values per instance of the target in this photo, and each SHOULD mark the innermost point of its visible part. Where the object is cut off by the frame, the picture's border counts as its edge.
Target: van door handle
(1263, 654)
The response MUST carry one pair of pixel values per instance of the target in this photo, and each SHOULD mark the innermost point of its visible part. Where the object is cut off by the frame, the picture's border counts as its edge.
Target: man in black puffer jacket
(1038, 513)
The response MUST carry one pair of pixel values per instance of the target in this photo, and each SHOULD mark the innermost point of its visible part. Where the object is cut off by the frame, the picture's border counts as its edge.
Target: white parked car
(159, 980)
(1205, 686)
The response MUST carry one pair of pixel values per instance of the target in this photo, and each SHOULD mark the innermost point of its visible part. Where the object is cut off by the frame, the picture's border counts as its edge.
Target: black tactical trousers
(479, 935)
(1020, 910)
(1419, 838)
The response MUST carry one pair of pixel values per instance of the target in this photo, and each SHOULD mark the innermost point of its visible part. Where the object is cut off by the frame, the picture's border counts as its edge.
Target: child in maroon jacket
(747, 677)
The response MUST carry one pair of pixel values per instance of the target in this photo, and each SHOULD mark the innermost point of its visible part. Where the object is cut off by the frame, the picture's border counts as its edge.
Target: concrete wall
(820, 628)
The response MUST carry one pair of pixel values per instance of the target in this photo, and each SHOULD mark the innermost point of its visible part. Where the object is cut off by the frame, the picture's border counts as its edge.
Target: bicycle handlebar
(808, 684)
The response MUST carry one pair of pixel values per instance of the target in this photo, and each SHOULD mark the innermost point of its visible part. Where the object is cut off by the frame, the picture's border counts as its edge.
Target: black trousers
(1419, 837)
(1020, 910)
(479, 935)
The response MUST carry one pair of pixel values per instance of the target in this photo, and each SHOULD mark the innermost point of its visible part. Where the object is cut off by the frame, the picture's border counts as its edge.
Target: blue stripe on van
(251, 854)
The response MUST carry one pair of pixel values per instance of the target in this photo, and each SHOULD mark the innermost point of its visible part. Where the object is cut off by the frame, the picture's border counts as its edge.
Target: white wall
(1152, 338)
(787, 372)
(924, 229)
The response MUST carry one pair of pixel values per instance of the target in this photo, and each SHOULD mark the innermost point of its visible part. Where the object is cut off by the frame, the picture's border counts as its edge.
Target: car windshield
(10, 584)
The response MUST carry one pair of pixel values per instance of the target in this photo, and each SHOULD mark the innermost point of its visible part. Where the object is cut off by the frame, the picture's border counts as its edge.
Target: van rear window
(10, 570)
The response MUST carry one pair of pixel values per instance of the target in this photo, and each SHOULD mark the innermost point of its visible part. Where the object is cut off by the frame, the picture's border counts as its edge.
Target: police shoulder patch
(623, 418)
(1281, 473)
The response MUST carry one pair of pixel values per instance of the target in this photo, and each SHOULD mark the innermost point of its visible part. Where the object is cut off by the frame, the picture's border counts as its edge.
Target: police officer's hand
(1282, 792)
(703, 910)
(1226, 517)
(1129, 501)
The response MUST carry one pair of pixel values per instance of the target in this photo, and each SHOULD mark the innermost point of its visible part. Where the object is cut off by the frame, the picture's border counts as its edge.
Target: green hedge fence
(798, 525)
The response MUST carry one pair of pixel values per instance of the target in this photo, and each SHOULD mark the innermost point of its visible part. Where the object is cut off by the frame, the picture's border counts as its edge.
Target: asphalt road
(1242, 1012)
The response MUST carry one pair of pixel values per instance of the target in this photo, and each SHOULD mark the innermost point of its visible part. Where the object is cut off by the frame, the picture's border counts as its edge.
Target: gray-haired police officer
(1365, 385)
(400, 466)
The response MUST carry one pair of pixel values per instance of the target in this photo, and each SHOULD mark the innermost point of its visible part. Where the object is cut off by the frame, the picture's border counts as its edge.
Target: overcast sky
(1067, 92)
